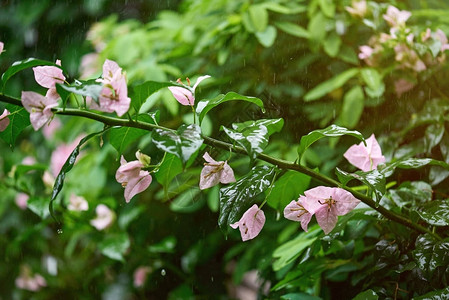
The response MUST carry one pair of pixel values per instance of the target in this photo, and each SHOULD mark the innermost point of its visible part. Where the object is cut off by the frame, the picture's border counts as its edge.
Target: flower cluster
(366, 158)
(215, 172)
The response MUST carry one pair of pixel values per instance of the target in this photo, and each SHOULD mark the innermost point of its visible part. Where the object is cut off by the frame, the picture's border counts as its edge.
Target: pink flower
(396, 17)
(358, 8)
(104, 218)
(366, 158)
(78, 203)
(114, 95)
(441, 36)
(48, 76)
(132, 178)
(295, 211)
(39, 108)
(327, 204)
(251, 223)
(4, 120)
(140, 276)
(426, 35)
(60, 155)
(401, 86)
(22, 200)
(186, 96)
(49, 130)
(365, 52)
(27, 282)
(408, 58)
(215, 172)
(1, 47)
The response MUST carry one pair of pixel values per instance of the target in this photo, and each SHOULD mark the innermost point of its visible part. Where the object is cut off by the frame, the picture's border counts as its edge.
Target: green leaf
(374, 179)
(293, 29)
(68, 165)
(140, 93)
(375, 86)
(258, 16)
(121, 137)
(327, 7)
(332, 44)
(19, 119)
(411, 194)
(22, 65)
(23, 169)
(435, 295)
(204, 106)
(287, 188)
(114, 246)
(237, 197)
(317, 28)
(267, 37)
(366, 295)
(352, 109)
(331, 131)
(129, 214)
(430, 253)
(328, 86)
(289, 251)
(435, 212)
(253, 135)
(410, 163)
(183, 143)
(167, 245)
(188, 201)
(169, 168)
(39, 206)
(434, 134)
(89, 88)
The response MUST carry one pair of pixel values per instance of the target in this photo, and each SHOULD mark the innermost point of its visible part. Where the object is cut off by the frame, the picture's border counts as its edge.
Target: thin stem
(283, 164)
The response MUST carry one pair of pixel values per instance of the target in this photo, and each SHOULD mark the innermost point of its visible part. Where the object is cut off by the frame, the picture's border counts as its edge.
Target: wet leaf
(89, 88)
(434, 134)
(22, 65)
(19, 119)
(170, 167)
(121, 137)
(328, 86)
(204, 106)
(410, 163)
(114, 246)
(366, 295)
(253, 135)
(435, 295)
(430, 253)
(287, 188)
(39, 206)
(373, 179)
(140, 93)
(411, 194)
(237, 197)
(435, 213)
(183, 143)
(331, 131)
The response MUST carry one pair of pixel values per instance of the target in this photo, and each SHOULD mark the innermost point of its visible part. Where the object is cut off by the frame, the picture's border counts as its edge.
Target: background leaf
(170, 167)
(114, 246)
(287, 188)
(328, 86)
(19, 119)
(141, 92)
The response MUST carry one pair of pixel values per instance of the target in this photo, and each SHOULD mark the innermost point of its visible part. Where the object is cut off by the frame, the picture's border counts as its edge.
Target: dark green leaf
(373, 179)
(22, 169)
(39, 206)
(287, 188)
(435, 295)
(293, 29)
(237, 197)
(121, 137)
(114, 246)
(253, 135)
(204, 106)
(68, 165)
(170, 167)
(22, 65)
(129, 214)
(141, 92)
(430, 253)
(328, 86)
(434, 134)
(411, 194)
(331, 131)
(89, 88)
(366, 295)
(410, 163)
(19, 119)
(435, 213)
(188, 201)
(183, 143)
(167, 245)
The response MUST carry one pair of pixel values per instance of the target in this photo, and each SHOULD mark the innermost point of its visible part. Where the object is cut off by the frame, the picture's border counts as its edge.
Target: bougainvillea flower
(114, 95)
(132, 177)
(186, 96)
(365, 52)
(215, 172)
(366, 158)
(1, 47)
(48, 76)
(77, 203)
(29, 282)
(22, 200)
(396, 17)
(251, 223)
(327, 204)
(4, 120)
(39, 108)
(401, 86)
(140, 275)
(60, 155)
(104, 218)
(441, 36)
(295, 211)
(49, 130)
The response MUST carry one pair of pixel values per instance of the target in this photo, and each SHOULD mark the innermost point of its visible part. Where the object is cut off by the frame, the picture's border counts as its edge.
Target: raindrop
(163, 272)
(59, 231)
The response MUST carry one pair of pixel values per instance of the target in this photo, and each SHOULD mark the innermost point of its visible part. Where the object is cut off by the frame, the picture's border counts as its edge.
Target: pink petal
(137, 185)
(1, 47)
(209, 159)
(227, 174)
(109, 68)
(140, 276)
(314, 196)
(295, 211)
(209, 177)
(104, 218)
(182, 95)
(358, 156)
(127, 171)
(345, 201)
(251, 223)
(48, 76)
(51, 128)
(326, 218)
(198, 81)
(52, 94)
(4, 120)
(22, 200)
